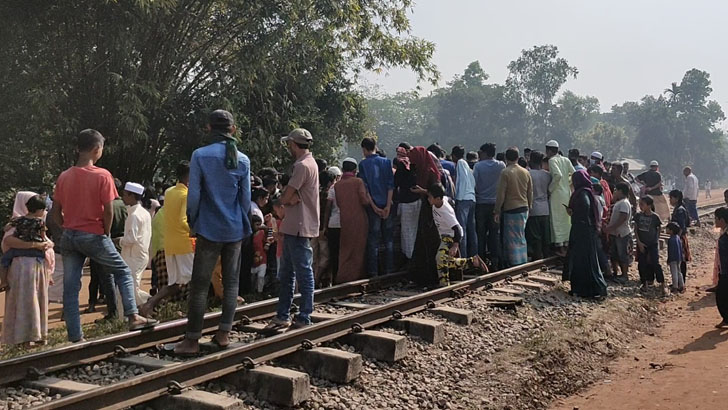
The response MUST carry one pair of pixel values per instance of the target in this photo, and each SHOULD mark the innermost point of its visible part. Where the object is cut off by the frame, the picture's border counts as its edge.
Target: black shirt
(651, 178)
(404, 179)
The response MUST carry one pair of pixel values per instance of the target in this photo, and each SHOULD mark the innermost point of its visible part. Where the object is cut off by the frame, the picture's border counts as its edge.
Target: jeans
(488, 234)
(206, 254)
(379, 227)
(465, 214)
(295, 267)
(692, 207)
(77, 246)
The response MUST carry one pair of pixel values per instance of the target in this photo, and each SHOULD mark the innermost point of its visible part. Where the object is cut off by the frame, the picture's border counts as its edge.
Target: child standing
(260, 253)
(675, 257)
(648, 225)
(620, 233)
(28, 228)
(450, 234)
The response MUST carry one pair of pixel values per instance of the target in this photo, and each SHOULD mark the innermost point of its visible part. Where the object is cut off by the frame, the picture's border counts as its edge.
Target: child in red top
(260, 256)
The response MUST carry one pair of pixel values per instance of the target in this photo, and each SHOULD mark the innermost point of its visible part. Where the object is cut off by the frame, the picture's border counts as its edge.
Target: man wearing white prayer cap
(137, 237)
(559, 193)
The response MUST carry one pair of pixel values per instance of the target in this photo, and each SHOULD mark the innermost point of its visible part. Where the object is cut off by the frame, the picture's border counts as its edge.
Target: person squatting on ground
(83, 206)
(450, 234)
(218, 203)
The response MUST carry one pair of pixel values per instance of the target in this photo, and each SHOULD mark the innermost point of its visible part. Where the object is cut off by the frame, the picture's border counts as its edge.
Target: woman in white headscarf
(26, 302)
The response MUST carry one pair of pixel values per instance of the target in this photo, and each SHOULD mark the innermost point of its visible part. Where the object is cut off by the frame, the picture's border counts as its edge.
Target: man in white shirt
(137, 237)
(690, 193)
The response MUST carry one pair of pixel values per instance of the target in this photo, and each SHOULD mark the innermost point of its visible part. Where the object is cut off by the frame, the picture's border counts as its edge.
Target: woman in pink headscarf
(26, 302)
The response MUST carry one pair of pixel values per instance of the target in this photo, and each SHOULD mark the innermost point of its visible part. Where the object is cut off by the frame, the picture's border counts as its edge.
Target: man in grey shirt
(538, 226)
(487, 172)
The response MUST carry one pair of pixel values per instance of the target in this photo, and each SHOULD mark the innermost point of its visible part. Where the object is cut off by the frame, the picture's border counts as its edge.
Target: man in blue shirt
(465, 203)
(487, 172)
(376, 172)
(218, 203)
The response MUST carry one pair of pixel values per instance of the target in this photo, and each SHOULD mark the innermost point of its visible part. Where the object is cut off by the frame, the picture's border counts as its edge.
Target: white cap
(135, 188)
(654, 164)
(349, 159)
(596, 154)
(336, 171)
(552, 144)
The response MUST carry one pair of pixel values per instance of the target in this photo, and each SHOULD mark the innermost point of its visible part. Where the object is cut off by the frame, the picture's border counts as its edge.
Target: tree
(572, 116)
(536, 77)
(609, 139)
(145, 73)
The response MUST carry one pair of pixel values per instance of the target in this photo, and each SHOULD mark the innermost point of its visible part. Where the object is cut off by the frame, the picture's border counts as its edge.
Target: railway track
(179, 376)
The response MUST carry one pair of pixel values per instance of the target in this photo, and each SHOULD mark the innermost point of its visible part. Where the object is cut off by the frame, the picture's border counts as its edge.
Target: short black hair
(35, 203)
(673, 227)
(488, 149)
(368, 144)
(436, 190)
(512, 154)
(321, 164)
(500, 156)
(437, 150)
(255, 218)
(522, 162)
(535, 159)
(527, 151)
(118, 184)
(348, 166)
(597, 188)
(326, 177)
(258, 193)
(722, 213)
(649, 201)
(302, 145)
(89, 140)
(458, 151)
(623, 188)
(597, 170)
(471, 156)
(268, 181)
(268, 172)
(574, 153)
(183, 170)
(405, 145)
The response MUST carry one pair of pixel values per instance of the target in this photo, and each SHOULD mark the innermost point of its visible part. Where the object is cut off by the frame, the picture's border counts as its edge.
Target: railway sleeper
(197, 400)
(430, 331)
(379, 345)
(327, 363)
(275, 385)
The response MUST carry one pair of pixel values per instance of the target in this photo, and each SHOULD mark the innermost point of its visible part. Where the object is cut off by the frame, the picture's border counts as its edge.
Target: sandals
(217, 343)
(146, 324)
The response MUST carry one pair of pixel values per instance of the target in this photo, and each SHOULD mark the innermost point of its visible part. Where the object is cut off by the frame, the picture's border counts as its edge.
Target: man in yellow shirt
(179, 253)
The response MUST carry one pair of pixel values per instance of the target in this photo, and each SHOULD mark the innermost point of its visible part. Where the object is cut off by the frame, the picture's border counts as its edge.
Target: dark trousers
(379, 229)
(488, 234)
(101, 280)
(334, 237)
(206, 254)
(538, 236)
(648, 264)
(721, 297)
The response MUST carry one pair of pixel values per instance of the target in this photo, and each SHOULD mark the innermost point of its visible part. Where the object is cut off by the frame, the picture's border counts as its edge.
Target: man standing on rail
(560, 191)
(301, 223)
(84, 199)
(218, 203)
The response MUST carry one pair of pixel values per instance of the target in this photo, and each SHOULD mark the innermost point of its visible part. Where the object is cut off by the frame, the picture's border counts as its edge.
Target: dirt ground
(683, 365)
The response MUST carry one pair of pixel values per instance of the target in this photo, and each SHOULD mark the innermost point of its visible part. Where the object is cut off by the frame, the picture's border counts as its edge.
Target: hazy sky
(623, 49)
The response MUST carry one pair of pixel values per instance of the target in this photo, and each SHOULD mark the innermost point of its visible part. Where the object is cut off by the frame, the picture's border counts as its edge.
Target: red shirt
(261, 255)
(82, 193)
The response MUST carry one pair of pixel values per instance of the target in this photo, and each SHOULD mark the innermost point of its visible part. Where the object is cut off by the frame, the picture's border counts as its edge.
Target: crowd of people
(225, 228)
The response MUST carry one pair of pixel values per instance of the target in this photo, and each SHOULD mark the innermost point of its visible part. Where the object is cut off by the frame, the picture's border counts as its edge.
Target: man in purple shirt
(376, 172)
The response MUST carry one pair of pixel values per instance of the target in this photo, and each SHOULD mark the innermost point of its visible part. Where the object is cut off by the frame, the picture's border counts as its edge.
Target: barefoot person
(721, 292)
(218, 203)
(84, 207)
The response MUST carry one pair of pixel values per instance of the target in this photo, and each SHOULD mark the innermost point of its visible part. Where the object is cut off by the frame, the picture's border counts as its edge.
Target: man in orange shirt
(83, 206)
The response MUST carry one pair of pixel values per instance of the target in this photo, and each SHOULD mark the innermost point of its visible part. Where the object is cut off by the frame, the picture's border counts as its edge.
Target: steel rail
(18, 368)
(157, 383)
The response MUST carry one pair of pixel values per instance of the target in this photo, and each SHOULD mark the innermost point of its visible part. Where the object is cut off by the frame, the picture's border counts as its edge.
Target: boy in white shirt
(450, 234)
(620, 232)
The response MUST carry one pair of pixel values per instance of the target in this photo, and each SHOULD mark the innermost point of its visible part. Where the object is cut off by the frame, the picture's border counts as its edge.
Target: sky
(622, 49)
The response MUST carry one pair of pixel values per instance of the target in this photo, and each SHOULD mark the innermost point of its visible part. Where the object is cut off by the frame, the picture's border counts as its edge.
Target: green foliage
(145, 73)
